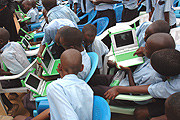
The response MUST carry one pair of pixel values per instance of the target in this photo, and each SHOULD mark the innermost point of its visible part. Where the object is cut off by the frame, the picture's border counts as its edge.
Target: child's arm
(114, 91)
(166, 15)
(130, 76)
(139, 52)
(43, 116)
(75, 8)
(2, 72)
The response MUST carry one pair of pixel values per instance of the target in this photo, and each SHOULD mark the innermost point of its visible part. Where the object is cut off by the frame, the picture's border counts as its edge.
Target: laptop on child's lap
(49, 63)
(124, 45)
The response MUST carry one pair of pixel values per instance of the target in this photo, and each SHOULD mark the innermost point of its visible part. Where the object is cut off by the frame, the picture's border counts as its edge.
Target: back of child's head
(33, 3)
(172, 107)
(4, 37)
(159, 26)
(89, 30)
(70, 36)
(27, 4)
(89, 33)
(166, 62)
(71, 61)
(49, 4)
(158, 41)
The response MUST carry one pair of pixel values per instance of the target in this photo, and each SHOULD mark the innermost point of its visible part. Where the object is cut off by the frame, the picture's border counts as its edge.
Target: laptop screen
(47, 59)
(123, 39)
(33, 81)
(25, 43)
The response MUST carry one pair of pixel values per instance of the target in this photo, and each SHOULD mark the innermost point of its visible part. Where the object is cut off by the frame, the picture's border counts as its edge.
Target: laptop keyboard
(126, 56)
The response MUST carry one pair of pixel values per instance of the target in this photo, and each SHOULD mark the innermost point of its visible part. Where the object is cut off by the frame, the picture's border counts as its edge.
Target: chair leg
(2, 104)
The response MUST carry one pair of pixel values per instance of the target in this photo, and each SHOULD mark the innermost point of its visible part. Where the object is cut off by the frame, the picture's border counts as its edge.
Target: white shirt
(70, 98)
(14, 57)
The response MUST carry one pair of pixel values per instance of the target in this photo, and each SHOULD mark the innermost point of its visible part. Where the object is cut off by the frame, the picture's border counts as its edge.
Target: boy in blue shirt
(31, 12)
(60, 11)
(70, 98)
(165, 62)
(92, 44)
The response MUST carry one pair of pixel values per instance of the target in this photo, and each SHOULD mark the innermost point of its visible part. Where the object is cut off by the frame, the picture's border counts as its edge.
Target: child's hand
(111, 64)
(47, 78)
(111, 93)
(139, 52)
(125, 69)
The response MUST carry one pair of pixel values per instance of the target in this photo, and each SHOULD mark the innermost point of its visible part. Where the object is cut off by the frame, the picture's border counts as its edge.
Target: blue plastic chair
(91, 15)
(118, 12)
(101, 24)
(101, 110)
(38, 35)
(177, 12)
(35, 47)
(94, 62)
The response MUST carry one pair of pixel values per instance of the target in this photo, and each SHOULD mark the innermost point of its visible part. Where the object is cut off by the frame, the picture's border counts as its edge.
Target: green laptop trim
(57, 61)
(125, 57)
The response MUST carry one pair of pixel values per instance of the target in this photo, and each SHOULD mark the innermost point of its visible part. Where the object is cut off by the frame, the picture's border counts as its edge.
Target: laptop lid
(34, 83)
(25, 43)
(124, 39)
(48, 61)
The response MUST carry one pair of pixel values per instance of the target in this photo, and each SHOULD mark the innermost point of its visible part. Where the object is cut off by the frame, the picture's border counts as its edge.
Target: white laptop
(20, 18)
(36, 84)
(49, 63)
(124, 45)
(25, 43)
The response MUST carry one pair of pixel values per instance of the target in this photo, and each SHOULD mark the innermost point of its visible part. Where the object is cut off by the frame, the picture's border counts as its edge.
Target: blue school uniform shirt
(89, 6)
(158, 13)
(162, 89)
(62, 12)
(14, 57)
(70, 98)
(100, 48)
(143, 75)
(33, 14)
(86, 61)
(130, 4)
(140, 33)
(53, 26)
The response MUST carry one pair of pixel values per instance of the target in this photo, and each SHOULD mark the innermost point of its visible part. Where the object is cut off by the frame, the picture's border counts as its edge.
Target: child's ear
(82, 67)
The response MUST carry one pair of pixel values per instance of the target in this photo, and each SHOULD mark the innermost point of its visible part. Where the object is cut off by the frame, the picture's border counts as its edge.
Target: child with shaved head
(69, 95)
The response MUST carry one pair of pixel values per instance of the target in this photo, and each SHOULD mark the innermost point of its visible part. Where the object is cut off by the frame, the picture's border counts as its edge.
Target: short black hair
(72, 36)
(49, 4)
(174, 106)
(166, 62)
(161, 26)
(90, 30)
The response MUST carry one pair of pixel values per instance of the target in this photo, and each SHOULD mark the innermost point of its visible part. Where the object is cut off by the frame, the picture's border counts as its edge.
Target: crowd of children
(69, 96)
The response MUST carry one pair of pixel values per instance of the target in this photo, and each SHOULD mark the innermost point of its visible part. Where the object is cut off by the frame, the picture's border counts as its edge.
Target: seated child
(50, 33)
(31, 12)
(59, 12)
(92, 44)
(14, 57)
(167, 63)
(144, 75)
(71, 37)
(70, 98)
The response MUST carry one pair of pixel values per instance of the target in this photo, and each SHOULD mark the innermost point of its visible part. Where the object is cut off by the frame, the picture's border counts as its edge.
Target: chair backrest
(101, 24)
(101, 110)
(91, 15)
(118, 12)
(94, 61)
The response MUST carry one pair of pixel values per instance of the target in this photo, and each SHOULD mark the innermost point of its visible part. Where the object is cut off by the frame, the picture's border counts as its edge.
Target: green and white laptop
(36, 85)
(49, 63)
(124, 45)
